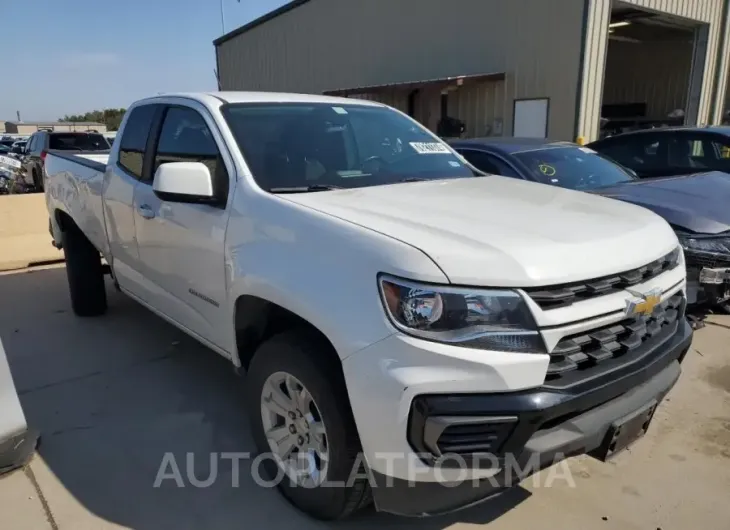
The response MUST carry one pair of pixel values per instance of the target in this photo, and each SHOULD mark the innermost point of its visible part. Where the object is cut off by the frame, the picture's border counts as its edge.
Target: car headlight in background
(474, 318)
(704, 244)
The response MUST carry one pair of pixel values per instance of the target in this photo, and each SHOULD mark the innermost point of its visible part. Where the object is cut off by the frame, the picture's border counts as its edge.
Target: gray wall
(713, 83)
(336, 44)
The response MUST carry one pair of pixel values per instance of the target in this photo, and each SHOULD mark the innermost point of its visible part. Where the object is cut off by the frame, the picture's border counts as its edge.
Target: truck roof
(266, 97)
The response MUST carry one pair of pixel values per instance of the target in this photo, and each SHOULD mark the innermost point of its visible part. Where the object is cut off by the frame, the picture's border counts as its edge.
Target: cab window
(134, 139)
(185, 137)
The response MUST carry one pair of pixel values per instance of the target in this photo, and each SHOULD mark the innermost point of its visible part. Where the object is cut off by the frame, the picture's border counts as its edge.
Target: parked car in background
(110, 136)
(7, 144)
(669, 151)
(42, 141)
(383, 297)
(8, 168)
(696, 206)
(18, 148)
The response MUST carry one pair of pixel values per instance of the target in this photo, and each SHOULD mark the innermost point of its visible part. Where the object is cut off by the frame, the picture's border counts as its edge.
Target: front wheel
(303, 427)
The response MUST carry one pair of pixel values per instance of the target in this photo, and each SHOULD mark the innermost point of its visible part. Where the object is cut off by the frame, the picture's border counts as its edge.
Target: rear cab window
(133, 143)
(77, 142)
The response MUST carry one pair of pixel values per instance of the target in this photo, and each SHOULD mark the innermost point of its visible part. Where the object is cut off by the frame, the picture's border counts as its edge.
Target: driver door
(181, 245)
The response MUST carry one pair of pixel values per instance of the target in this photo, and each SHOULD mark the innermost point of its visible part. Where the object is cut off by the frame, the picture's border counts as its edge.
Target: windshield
(577, 168)
(317, 146)
(78, 142)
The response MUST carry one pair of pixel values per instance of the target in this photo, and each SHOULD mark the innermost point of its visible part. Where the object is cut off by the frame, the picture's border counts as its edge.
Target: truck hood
(697, 203)
(497, 231)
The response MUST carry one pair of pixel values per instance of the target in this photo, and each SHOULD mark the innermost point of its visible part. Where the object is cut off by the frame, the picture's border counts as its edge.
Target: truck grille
(474, 438)
(626, 339)
(564, 295)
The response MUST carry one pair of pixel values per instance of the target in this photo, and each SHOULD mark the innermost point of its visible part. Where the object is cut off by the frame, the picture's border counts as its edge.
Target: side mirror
(184, 182)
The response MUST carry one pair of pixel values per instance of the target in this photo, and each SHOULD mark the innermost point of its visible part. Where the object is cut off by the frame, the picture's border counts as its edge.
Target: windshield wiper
(305, 189)
(412, 179)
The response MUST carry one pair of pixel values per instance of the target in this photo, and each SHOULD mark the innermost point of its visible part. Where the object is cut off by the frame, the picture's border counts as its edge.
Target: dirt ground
(113, 395)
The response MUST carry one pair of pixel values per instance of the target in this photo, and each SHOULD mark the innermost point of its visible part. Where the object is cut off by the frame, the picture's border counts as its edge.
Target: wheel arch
(257, 319)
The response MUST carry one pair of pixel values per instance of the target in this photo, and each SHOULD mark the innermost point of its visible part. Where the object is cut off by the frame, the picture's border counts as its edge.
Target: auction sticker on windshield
(430, 148)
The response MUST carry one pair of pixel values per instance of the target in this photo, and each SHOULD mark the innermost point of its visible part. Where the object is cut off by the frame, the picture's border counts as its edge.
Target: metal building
(526, 67)
(22, 127)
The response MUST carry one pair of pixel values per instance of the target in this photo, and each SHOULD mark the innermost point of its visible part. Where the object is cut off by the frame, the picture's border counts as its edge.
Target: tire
(300, 353)
(37, 181)
(85, 274)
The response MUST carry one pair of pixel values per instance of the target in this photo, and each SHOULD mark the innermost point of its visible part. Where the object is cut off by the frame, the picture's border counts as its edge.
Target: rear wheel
(303, 427)
(37, 180)
(85, 274)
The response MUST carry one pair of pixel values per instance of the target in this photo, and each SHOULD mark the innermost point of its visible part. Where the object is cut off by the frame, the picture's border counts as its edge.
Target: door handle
(145, 211)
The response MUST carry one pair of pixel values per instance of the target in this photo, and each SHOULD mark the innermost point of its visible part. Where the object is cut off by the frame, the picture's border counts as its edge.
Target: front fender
(319, 267)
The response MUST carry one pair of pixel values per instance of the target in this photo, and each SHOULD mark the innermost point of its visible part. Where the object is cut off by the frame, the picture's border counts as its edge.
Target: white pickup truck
(406, 323)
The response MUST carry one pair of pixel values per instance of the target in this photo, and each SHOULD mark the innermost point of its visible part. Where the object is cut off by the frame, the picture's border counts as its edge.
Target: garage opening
(466, 106)
(654, 70)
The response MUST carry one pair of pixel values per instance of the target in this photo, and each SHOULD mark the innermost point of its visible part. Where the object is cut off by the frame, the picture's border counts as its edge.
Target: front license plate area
(625, 431)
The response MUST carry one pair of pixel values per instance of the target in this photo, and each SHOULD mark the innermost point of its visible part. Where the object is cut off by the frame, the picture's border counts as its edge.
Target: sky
(74, 56)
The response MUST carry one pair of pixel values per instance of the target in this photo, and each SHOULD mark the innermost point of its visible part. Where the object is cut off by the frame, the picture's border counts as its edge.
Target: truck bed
(92, 159)
(74, 181)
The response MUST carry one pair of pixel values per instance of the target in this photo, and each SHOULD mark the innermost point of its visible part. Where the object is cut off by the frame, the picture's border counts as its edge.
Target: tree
(112, 118)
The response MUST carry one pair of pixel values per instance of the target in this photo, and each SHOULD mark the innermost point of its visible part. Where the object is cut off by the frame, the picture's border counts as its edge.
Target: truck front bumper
(708, 279)
(17, 450)
(543, 426)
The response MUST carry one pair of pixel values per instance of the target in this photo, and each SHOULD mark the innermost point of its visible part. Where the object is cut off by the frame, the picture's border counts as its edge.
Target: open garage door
(473, 105)
(654, 70)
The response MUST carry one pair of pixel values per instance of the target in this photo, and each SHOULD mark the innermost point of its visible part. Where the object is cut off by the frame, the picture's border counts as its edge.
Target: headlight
(702, 243)
(472, 318)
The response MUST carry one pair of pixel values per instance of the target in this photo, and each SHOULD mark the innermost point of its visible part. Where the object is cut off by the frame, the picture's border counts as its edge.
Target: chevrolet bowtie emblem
(643, 304)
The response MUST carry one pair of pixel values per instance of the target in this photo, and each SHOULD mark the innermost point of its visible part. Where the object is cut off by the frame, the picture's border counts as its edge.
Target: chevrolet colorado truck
(408, 326)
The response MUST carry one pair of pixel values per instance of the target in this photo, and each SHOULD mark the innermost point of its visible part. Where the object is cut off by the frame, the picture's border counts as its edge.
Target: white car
(402, 319)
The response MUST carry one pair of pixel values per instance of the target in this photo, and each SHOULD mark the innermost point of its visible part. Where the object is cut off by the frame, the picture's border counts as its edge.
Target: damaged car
(696, 206)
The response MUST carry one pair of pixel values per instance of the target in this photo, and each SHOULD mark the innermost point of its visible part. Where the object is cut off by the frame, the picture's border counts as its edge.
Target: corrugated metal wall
(722, 92)
(705, 11)
(480, 107)
(598, 16)
(655, 72)
(701, 10)
(337, 44)
(395, 98)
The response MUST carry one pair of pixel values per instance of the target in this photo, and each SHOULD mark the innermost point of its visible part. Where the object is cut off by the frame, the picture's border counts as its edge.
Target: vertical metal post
(223, 18)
